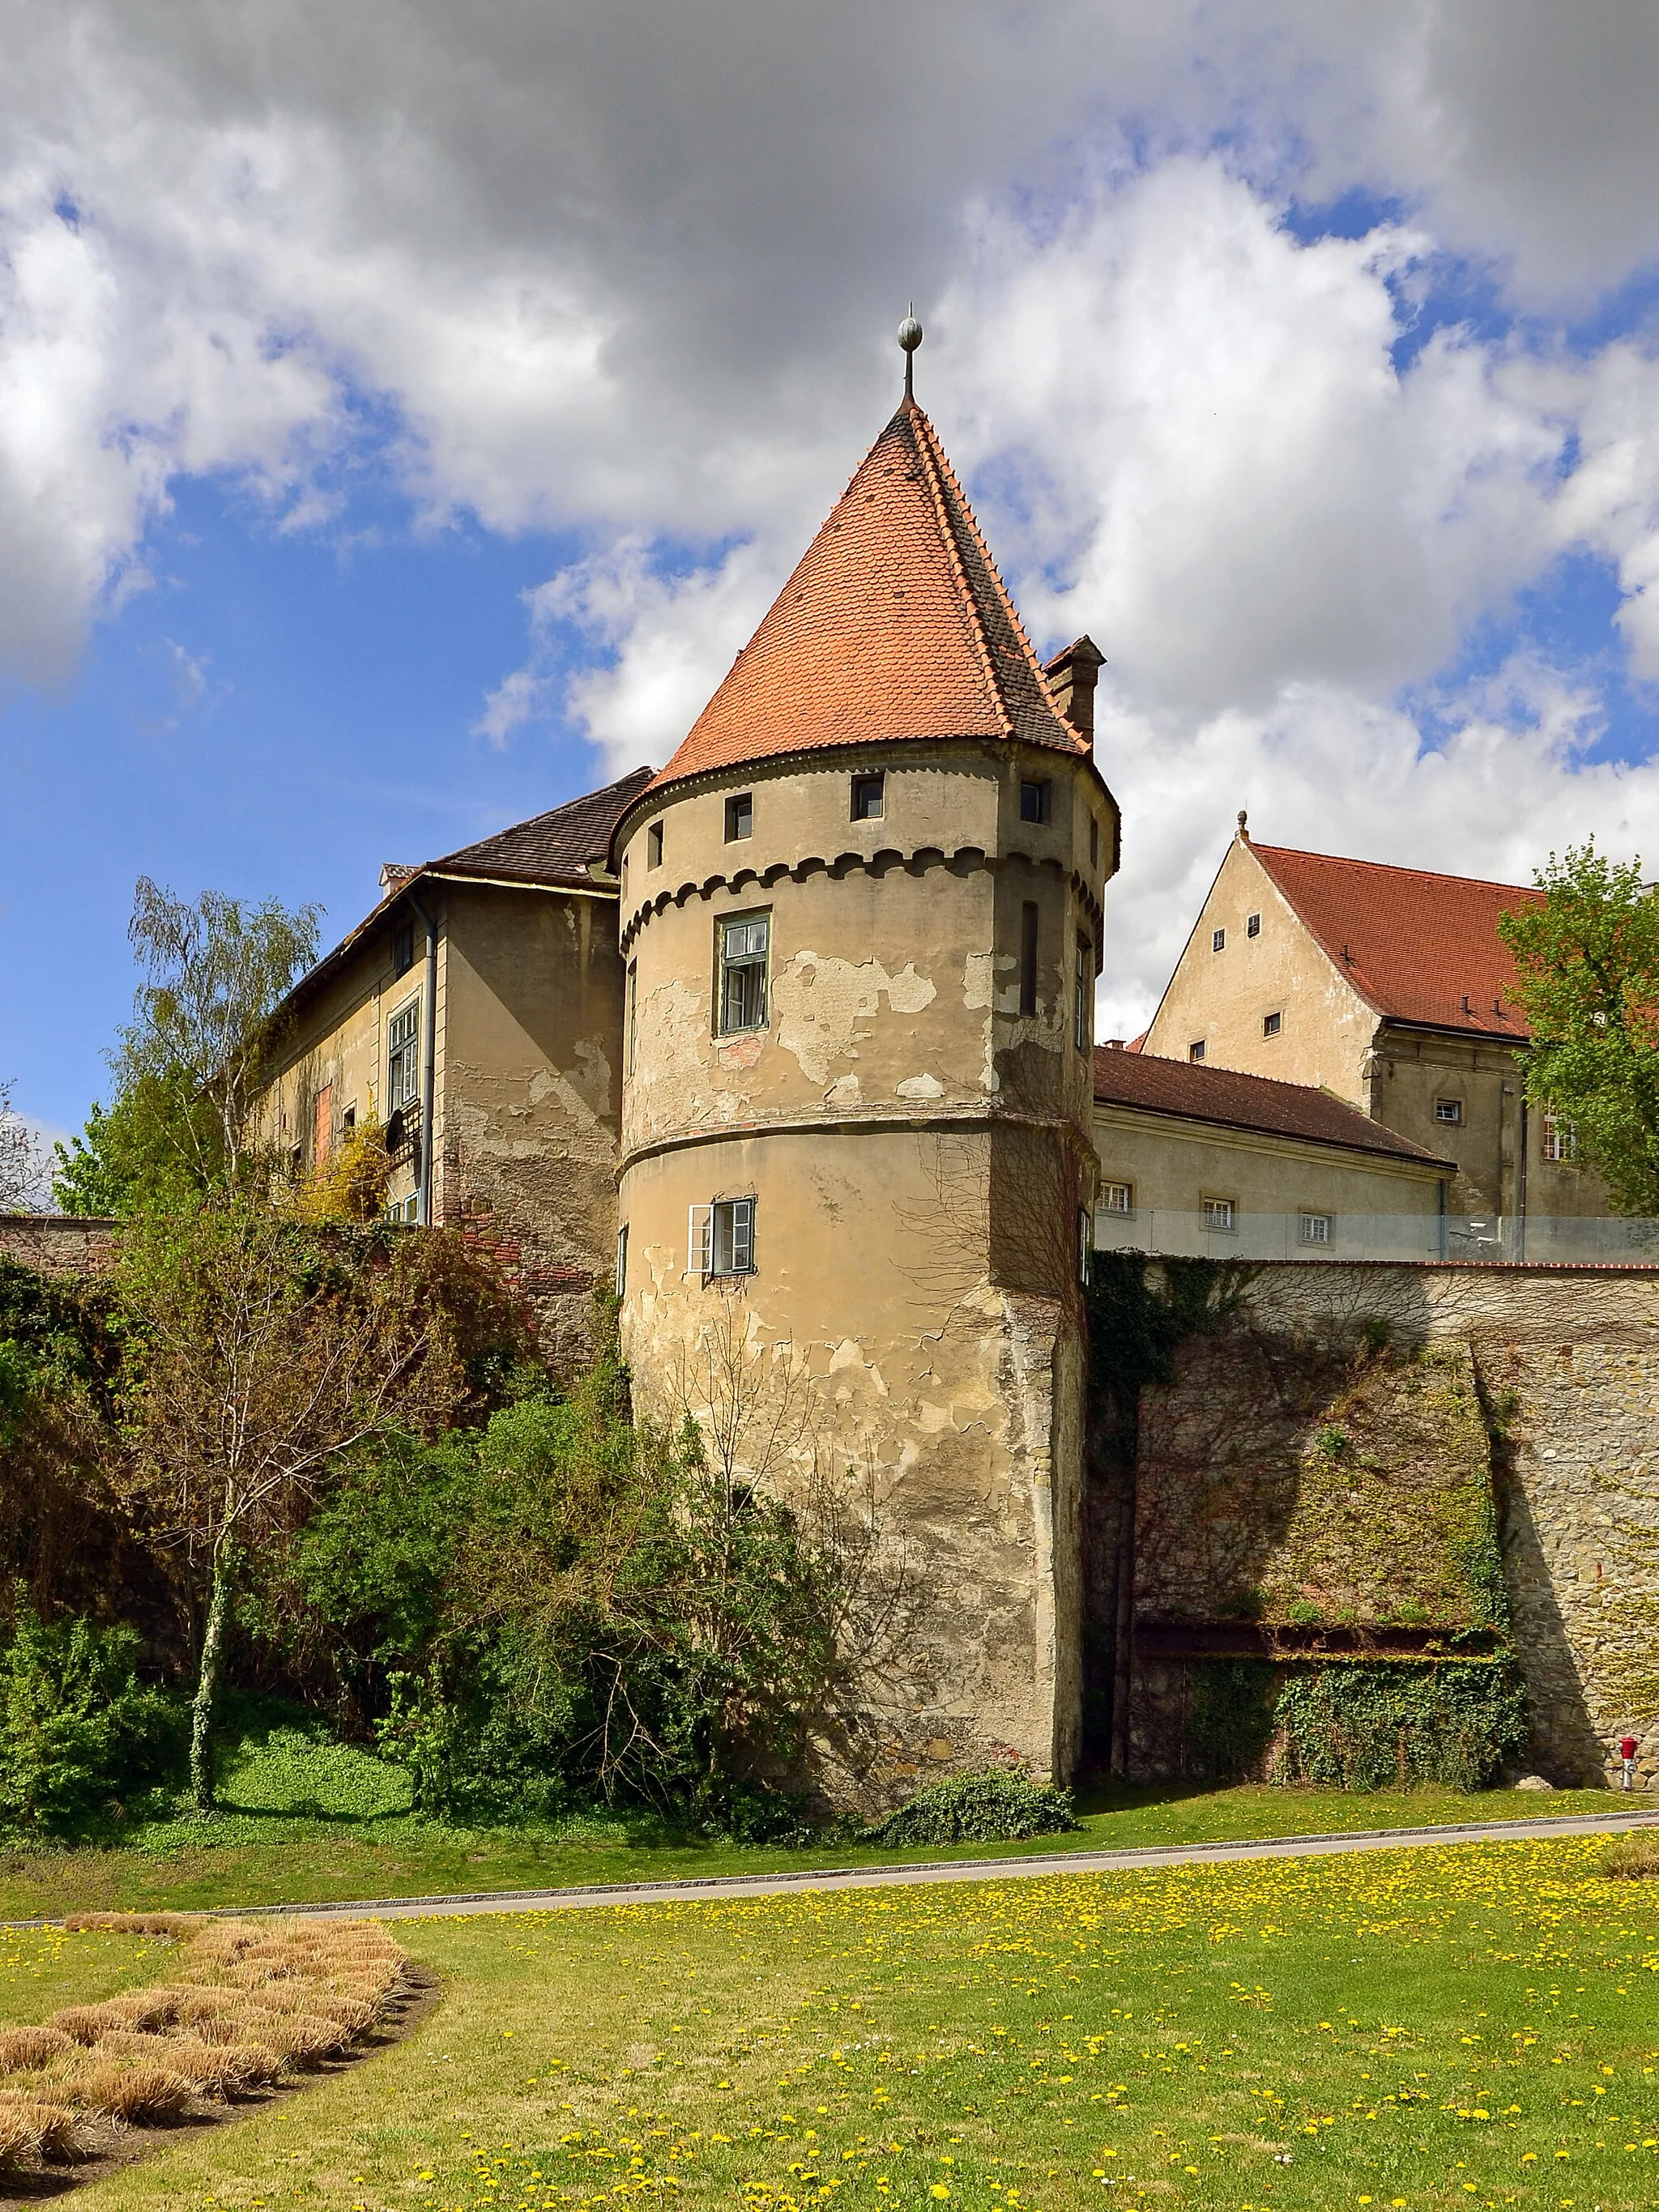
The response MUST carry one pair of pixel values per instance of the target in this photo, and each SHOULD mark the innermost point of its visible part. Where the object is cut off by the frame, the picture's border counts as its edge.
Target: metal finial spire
(909, 337)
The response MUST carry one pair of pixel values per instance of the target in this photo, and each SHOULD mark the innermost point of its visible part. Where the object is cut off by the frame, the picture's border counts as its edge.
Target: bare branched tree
(262, 1358)
(23, 1177)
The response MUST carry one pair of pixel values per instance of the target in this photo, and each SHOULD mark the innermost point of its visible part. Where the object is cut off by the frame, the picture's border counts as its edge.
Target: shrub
(977, 1808)
(77, 1726)
(1633, 1857)
(1377, 1727)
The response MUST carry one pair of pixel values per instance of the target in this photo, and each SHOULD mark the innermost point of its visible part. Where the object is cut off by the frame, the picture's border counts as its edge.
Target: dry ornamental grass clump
(249, 2004)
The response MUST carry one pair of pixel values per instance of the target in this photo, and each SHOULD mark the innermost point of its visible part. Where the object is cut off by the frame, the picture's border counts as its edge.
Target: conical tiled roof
(896, 625)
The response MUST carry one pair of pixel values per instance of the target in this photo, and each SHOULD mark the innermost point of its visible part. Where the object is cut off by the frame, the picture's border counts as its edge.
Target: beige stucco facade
(1329, 1035)
(917, 1153)
(526, 1048)
(1170, 1165)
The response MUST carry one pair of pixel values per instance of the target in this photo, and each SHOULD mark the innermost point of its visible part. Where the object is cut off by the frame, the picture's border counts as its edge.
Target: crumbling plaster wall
(1567, 1362)
(530, 1092)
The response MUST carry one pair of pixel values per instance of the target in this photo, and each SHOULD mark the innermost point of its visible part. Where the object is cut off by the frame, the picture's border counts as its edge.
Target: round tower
(861, 920)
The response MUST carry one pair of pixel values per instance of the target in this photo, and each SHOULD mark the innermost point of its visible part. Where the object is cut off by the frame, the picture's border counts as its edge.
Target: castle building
(861, 917)
(1390, 988)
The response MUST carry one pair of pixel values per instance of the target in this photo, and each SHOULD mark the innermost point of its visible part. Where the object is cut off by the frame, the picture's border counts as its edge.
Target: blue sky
(401, 422)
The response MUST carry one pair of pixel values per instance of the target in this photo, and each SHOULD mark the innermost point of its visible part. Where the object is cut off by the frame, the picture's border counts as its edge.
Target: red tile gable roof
(1419, 947)
(1196, 1092)
(895, 625)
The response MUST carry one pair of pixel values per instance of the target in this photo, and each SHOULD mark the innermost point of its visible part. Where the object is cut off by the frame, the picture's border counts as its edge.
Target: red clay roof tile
(1419, 947)
(1197, 1093)
(895, 625)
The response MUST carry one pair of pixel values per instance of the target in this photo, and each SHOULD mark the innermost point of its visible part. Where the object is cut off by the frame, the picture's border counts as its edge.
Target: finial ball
(1243, 820)
(910, 334)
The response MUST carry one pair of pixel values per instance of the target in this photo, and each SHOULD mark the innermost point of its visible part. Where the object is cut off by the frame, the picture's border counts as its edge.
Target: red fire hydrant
(1627, 1749)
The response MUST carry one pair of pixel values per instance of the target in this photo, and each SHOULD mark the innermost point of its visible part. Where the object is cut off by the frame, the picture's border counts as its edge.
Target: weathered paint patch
(819, 1003)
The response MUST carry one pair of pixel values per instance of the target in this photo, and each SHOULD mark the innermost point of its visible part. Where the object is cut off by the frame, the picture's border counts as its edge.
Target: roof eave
(1405, 1154)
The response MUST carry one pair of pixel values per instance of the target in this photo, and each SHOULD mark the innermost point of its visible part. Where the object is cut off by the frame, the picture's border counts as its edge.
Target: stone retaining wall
(58, 1244)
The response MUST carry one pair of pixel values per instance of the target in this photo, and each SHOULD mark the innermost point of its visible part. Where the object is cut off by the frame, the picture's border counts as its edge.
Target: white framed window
(1317, 1228)
(1252, 925)
(1195, 1049)
(1271, 1024)
(721, 1238)
(622, 1261)
(403, 1056)
(402, 1209)
(1222, 1214)
(1085, 1243)
(1117, 1198)
(1217, 940)
(1558, 1140)
(744, 944)
(1449, 1110)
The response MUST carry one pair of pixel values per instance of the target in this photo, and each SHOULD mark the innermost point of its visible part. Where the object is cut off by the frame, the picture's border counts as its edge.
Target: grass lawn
(1475, 2024)
(306, 1820)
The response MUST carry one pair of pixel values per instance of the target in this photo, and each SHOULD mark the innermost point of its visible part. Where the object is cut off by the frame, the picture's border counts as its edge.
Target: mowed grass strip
(266, 1856)
(1471, 2024)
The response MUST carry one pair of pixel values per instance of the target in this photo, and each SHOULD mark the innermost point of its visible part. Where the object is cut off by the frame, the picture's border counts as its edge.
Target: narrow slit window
(622, 1261)
(1028, 959)
(654, 846)
(1085, 1243)
(1217, 940)
(1252, 925)
(1094, 841)
(1082, 1010)
(744, 945)
(403, 949)
(740, 817)
(869, 797)
(633, 1014)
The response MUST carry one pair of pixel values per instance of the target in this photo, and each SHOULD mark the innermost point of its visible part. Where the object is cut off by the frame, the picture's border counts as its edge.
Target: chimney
(1072, 677)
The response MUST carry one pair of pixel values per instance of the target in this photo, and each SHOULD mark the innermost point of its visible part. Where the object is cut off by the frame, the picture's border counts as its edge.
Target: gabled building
(1390, 988)
(476, 1015)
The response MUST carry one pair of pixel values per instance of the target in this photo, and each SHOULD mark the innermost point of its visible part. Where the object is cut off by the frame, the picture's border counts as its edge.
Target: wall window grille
(654, 846)
(1117, 1198)
(1449, 1110)
(1221, 1214)
(721, 1238)
(744, 944)
(1033, 801)
(1558, 1140)
(622, 1261)
(1271, 1024)
(403, 1057)
(869, 797)
(1083, 1008)
(1195, 1049)
(1317, 1228)
(1252, 925)
(1217, 940)
(1028, 959)
(740, 816)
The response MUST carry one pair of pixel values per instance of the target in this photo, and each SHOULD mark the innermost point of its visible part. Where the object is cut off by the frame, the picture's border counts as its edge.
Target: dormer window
(740, 817)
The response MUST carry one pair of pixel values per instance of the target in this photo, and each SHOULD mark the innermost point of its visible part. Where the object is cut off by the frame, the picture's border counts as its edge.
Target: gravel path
(878, 1877)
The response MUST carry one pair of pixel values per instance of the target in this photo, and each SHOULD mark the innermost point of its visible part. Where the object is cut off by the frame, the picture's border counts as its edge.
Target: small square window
(1217, 940)
(654, 846)
(740, 816)
(1033, 802)
(1117, 1198)
(1195, 1049)
(1221, 1214)
(1271, 1024)
(1449, 1110)
(1252, 925)
(1317, 1228)
(869, 797)
(349, 1120)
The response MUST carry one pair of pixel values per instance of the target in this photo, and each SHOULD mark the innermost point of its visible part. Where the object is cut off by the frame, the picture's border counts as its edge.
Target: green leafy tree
(1587, 960)
(186, 1067)
(77, 1728)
